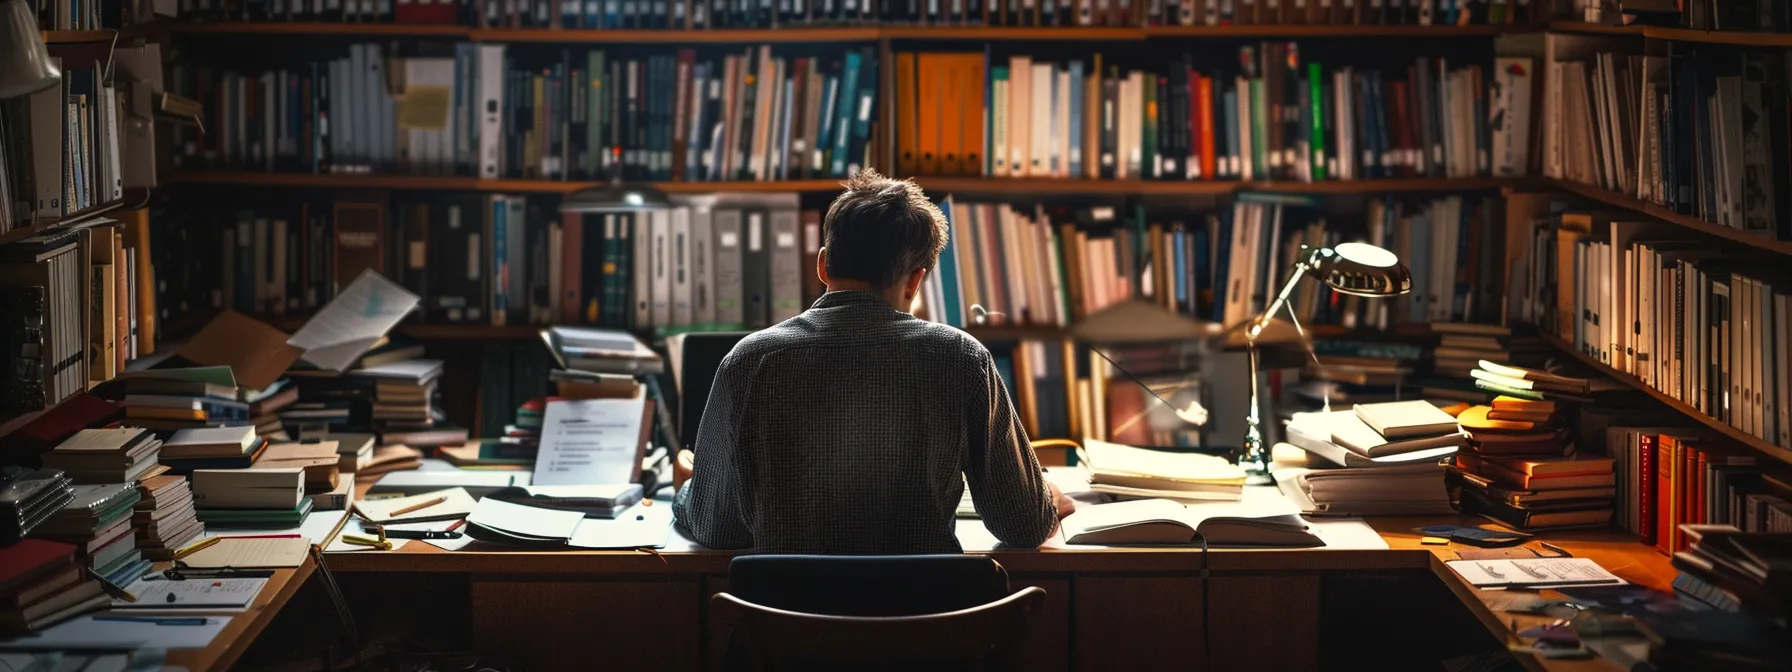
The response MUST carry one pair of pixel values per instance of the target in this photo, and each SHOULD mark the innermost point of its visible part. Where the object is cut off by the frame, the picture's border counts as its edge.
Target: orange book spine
(973, 78)
(1666, 459)
(1204, 111)
(572, 251)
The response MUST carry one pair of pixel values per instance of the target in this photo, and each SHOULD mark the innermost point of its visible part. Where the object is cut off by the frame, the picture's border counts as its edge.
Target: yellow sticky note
(425, 107)
(1433, 541)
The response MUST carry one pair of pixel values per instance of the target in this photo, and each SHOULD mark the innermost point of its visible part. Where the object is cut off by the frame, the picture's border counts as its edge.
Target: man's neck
(892, 295)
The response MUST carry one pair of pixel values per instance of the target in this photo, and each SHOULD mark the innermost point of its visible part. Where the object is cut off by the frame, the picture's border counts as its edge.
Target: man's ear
(912, 286)
(821, 266)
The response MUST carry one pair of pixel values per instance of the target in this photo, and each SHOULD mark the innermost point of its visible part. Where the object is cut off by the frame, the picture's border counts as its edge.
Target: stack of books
(354, 452)
(265, 404)
(1462, 346)
(166, 400)
(251, 497)
(1521, 469)
(1381, 459)
(28, 497)
(318, 460)
(1340, 382)
(164, 516)
(212, 448)
(41, 585)
(516, 448)
(403, 396)
(112, 455)
(98, 523)
(1744, 577)
(1529, 383)
(601, 351)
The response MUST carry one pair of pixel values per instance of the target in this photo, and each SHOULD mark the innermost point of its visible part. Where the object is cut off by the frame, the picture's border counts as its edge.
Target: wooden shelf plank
(318, 28)
(78, 36)
(1328, 30)
(1593, 28)
(1050, 185)
(1615, 199)
(1006, 33)
(1736, 37)
(1739, 436)
(459, 183)
(76, 218)
(720, 36)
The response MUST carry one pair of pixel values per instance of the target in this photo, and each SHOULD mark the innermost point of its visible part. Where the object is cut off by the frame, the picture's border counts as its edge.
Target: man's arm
(709, 505)
(1007, 487)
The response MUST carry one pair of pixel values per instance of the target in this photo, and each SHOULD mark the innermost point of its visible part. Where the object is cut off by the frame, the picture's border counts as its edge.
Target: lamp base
(1259, 478)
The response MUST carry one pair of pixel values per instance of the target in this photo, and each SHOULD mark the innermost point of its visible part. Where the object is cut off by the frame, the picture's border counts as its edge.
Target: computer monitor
(702, 353)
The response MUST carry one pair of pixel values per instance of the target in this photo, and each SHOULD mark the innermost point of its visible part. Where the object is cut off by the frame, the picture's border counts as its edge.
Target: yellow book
(164, 413)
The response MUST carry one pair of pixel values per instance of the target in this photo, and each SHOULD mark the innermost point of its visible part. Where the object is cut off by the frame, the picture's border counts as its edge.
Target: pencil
(196, 547)
(419, 506)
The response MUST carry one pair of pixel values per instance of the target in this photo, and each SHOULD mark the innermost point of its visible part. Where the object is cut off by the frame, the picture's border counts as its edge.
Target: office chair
(828, 612)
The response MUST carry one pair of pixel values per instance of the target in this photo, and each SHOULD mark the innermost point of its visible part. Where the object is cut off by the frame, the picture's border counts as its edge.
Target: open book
(1163, 521)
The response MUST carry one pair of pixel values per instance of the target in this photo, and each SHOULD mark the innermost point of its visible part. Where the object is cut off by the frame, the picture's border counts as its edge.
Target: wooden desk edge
(244, 627)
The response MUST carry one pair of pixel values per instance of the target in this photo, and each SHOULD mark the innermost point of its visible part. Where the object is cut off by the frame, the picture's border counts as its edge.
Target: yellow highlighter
(370, 542)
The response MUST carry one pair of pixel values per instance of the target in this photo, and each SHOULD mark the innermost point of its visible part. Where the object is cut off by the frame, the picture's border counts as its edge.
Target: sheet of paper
(223, 593)
(456, 503)
(251, 553)
(525, 520)
(590, 441)
(1532, 571)
(357, 526)
(636, 527)
(86, 633)
(142, 660)
(359, 316)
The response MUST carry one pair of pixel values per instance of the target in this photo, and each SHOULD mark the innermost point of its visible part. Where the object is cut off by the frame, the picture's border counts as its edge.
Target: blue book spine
(1076, 119)
(866, 103)
(952, 308)
(500, 261)
(1203, 270)
(825, 134)
(1179, 267)
(693, 140)
(849, 93)
(593, 14)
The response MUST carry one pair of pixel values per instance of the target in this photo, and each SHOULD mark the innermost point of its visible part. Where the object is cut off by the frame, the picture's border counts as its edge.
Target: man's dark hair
(880, 230)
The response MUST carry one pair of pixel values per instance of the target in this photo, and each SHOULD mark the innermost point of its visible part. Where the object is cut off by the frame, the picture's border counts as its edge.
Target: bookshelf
(1731, 37)
(75, 218)
(846, 33)
(1759, 445)
(1638, 206)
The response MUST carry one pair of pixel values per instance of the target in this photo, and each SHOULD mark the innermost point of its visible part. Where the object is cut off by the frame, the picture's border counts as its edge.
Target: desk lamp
(1358, 269)
(25, 66)
(616, 196)
(1141, 322)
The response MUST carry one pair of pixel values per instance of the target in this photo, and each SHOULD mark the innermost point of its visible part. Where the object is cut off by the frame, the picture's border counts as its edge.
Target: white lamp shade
(25, 66)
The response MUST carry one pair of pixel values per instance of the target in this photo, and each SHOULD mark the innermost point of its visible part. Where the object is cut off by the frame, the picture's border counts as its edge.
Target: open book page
(351, 323)
(1114, 457)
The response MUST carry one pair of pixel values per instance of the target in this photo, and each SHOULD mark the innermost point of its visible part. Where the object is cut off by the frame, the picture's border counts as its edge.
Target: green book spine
(1316, 97)
(597, 115)
(1259, 135)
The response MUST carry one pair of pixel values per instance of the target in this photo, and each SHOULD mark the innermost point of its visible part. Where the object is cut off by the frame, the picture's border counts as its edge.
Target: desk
(1106, 608)
(244, 627)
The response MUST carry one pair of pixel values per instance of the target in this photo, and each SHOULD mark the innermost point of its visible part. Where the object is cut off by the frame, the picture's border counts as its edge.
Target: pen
(153, 620)
(419, 506)
(457, 525)
(422, 534)
(196, 547)
(263, 536)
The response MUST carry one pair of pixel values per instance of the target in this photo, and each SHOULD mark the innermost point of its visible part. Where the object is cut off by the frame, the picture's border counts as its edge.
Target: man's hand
(1063, 504)
(682, 467)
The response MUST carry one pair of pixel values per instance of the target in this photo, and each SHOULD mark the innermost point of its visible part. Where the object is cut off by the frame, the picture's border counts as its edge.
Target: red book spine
(1646, 489)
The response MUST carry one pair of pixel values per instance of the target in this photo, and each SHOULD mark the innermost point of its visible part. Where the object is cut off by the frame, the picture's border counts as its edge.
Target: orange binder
(1204, 110)
(907, 115)
(951, 113)
(973, 77)
(928, 108)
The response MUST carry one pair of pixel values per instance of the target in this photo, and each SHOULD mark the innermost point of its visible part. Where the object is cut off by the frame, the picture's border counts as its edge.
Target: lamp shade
(1362, 269)
(25, 66)
(614, 197)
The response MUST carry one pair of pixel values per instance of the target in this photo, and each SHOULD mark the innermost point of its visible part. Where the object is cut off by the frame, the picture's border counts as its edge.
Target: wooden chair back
(774, 639)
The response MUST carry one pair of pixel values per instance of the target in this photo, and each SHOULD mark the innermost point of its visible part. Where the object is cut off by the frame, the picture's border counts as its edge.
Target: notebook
(209, 442)
(1352, 433)
(455, 503)
(1163, 521)
(1532, 573)
(1402, 419)
(251, 553)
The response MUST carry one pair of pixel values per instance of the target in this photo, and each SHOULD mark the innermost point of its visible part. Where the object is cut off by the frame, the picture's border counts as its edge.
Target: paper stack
(28, 497)
(250, 497)
(1343, 381)
(164, 516)
(1531, 384)
(1463, 346)
(1137, 473)
(601, 351)
(1386, 460)
(212, 448)
(166, 400)
(112, 455)
(41, 584)
(98, 523)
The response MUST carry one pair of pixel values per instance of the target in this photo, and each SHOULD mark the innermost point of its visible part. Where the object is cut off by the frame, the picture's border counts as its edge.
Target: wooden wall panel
(1259, 622)
(563, 625)
(1047, 645)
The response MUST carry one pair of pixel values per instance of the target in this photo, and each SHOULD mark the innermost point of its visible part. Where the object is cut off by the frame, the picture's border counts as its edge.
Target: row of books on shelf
(701, 14)
(1050, 266)
(1280, 115)
(1696, 322)
(588, 114)
(78, 304)
(60, 148)
(711, 261)
(1696, 129)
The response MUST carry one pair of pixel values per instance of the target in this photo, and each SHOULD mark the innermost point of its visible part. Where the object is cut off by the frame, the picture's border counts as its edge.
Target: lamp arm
(1300, 270)
(1131, 377)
